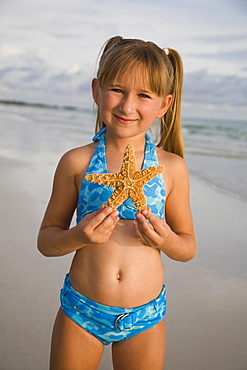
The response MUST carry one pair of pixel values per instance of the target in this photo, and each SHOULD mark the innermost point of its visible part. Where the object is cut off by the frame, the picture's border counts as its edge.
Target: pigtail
(109, 43)
(170, 132)
(164, 69)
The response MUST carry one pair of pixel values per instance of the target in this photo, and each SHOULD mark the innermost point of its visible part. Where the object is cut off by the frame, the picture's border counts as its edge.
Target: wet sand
(207, 297)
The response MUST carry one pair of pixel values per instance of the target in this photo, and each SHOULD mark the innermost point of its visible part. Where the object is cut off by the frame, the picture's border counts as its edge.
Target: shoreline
(217, 188)
(29, 131)
(208, 291)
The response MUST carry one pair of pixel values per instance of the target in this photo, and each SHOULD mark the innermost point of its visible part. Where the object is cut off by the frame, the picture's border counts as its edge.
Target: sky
(49, 48)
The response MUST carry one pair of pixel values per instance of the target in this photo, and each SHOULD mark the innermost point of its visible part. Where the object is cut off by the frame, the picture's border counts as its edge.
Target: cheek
(107, 102)
(150, 112)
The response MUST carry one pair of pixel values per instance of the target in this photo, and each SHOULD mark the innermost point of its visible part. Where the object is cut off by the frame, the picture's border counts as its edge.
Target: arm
(55, 238)
(175, 237)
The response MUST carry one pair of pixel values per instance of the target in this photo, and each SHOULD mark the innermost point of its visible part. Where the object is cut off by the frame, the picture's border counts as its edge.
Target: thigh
(72, 347)
(144, 351)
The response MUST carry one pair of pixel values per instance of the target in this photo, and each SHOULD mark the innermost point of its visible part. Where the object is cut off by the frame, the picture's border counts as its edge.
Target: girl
(114, 292)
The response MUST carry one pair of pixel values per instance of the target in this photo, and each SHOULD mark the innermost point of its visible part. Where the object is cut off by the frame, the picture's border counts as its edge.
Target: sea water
(215, 150)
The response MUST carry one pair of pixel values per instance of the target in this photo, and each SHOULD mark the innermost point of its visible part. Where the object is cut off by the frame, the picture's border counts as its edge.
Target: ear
(95, 91)
(164, 106)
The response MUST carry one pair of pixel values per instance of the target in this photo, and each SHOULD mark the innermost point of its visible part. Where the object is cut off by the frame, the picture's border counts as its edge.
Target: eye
(145, 96)
(117, 90)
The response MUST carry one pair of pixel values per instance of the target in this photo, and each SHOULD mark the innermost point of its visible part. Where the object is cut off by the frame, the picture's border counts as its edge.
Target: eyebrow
(121, 86)
(115, 85)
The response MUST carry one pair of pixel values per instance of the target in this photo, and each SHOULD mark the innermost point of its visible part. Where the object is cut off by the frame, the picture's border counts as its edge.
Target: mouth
(123, 120)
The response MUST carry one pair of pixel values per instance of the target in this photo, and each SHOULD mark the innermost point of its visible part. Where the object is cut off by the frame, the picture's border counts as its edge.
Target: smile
(124, 120)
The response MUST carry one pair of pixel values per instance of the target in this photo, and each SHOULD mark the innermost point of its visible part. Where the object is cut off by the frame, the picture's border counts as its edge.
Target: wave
(44, 105)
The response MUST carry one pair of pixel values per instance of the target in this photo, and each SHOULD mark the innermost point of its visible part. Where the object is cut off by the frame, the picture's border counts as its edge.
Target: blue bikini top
(93, 195)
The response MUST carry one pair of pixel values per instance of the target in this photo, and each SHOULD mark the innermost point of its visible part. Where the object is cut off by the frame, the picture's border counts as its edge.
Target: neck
(114, 142)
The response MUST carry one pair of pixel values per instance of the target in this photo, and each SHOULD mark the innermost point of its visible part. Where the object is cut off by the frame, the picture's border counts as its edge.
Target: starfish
(128, 182)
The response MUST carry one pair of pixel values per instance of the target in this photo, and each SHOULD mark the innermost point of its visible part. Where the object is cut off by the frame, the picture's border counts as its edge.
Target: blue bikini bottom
(107, 323)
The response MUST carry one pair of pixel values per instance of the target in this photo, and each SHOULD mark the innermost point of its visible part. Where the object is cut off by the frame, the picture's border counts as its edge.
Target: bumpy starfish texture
(128, 182)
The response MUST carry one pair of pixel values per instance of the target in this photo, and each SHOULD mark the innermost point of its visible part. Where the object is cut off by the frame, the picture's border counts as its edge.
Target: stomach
(121, 273)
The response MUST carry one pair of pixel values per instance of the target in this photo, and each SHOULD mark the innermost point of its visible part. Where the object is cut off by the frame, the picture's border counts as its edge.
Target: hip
(109, 323)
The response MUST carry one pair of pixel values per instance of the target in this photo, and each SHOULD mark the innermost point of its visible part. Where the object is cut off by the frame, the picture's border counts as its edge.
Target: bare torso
(121, 273)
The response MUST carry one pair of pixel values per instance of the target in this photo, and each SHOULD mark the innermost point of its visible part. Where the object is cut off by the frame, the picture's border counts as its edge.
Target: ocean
(215, 150)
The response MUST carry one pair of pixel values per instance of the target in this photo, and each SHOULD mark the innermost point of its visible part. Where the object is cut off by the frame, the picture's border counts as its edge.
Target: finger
(142, 222)
(101, 215)
(146, 230)
(140, 226)
(156, 222)
(103, 231)
(109, 222)
(91, 215)
(138, 232)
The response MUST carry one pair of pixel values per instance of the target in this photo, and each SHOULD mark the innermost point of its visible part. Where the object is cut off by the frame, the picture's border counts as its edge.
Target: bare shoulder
(171, 161)
(76, 160)
(68, 176)
(176, 170)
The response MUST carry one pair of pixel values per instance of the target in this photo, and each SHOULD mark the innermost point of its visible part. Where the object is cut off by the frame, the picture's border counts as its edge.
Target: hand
(154, 233)
(96, 227)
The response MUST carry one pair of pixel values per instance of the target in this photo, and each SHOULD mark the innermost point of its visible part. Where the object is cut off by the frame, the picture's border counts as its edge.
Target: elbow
(188, 248)
(188, 258)
(41, 247)
(42, 250)
(191, 254)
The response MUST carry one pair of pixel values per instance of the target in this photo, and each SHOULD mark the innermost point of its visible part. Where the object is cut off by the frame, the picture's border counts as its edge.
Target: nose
(127, 105)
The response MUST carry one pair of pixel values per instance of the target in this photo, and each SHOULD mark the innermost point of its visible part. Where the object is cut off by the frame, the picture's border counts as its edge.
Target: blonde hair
(164, 72)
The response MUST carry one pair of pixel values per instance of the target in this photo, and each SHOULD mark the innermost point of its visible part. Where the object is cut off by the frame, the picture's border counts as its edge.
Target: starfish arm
(138, 198)
(129, 160)
(118, 197)
(103, 179)
(143, 176)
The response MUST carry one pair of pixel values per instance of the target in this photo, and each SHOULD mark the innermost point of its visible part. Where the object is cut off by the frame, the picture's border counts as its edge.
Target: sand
(207, 297)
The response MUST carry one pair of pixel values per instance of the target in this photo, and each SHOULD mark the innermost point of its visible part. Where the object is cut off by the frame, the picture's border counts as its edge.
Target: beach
(207, 297)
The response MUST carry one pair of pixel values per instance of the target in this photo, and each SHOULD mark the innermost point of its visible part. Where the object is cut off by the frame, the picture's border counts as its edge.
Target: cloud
(201, 87)
(35, 79)
(238, 56)
(49, 48)
(223, 38)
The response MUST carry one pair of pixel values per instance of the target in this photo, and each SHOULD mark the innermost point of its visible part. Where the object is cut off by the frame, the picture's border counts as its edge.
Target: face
(128, 106)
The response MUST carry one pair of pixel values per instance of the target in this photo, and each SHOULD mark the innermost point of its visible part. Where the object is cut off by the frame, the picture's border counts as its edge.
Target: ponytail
(171, 138)
(164, 70)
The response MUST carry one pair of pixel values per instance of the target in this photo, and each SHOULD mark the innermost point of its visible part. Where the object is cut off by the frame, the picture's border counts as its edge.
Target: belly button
(118, 277)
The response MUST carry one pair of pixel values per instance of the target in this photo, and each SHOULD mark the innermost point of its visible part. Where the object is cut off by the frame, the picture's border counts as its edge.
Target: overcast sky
(49, 48)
